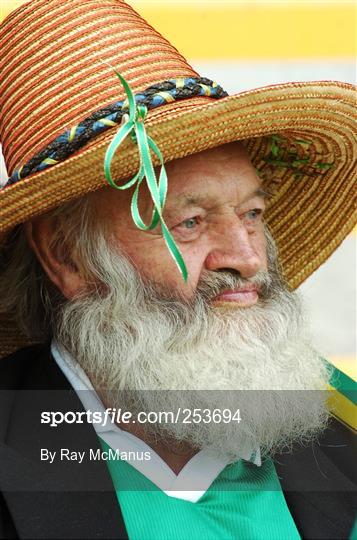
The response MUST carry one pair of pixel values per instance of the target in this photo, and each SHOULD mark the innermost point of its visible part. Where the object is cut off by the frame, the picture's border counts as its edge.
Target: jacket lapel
(65, 499)
(321, 499)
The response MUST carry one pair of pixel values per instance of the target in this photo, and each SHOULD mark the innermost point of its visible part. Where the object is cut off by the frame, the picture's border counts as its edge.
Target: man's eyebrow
(263, 193)
(192, 200)
(259, 192)
(200, 200)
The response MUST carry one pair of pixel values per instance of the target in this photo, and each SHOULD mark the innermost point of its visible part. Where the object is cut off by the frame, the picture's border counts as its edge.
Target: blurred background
(243, 45)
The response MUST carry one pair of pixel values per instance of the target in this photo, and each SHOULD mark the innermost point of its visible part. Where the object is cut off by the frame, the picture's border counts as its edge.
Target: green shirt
(243, 502)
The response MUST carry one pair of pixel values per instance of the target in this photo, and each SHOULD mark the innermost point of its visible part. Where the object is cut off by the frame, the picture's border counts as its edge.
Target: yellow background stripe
(216, 30)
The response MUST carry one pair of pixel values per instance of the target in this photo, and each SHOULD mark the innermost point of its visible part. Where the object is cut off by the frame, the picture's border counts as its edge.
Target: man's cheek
(260, 247)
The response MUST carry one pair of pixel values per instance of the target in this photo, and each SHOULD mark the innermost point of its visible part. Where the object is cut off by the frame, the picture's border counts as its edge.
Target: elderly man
(173, 391)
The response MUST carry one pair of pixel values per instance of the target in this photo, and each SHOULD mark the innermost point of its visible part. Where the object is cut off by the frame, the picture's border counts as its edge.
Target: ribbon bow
(134, 126)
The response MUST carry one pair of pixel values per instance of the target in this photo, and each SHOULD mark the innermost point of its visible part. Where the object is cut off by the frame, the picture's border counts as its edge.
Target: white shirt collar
(202, 469)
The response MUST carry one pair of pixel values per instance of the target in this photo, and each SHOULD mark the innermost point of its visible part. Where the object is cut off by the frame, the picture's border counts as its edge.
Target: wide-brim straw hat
(54, 74)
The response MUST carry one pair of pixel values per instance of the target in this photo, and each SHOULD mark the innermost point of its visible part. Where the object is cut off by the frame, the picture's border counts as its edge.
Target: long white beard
(145, 350)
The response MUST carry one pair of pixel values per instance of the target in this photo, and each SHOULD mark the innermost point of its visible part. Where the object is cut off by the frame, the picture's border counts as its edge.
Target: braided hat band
(78, 136)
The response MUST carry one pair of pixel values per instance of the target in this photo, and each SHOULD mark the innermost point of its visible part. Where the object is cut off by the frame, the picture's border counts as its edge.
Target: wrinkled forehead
(228, 156)
(220, 174)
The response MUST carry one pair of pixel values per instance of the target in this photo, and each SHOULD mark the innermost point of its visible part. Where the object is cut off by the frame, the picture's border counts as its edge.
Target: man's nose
(234, 249)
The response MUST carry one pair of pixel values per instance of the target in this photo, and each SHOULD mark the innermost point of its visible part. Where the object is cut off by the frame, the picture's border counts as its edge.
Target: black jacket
(68, 500)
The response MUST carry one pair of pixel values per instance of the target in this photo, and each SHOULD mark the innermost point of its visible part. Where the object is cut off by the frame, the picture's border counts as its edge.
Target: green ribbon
(158, 188)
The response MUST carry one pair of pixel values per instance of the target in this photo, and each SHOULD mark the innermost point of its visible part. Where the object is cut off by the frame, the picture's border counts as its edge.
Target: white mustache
(213, 283)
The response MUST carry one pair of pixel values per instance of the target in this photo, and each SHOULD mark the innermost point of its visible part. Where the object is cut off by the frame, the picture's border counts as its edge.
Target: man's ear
(53, 257)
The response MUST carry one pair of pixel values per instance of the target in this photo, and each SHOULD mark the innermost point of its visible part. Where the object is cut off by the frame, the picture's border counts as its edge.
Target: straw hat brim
(309, 216)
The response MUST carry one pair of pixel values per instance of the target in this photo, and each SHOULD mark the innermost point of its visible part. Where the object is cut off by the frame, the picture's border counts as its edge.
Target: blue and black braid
(78, 136)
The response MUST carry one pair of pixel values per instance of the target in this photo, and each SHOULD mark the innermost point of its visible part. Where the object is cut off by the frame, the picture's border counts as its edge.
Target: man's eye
(254, 214)
(189, 223)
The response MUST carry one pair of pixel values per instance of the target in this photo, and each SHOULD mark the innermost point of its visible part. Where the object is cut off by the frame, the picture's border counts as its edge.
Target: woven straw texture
(53, 76)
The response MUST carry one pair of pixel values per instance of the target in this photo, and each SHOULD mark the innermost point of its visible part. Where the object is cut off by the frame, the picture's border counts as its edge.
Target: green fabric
(354, 532)
(158, 189)
(257, 511)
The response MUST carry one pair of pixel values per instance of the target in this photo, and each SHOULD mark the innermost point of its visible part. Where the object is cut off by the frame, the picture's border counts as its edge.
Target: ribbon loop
(133, 125)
